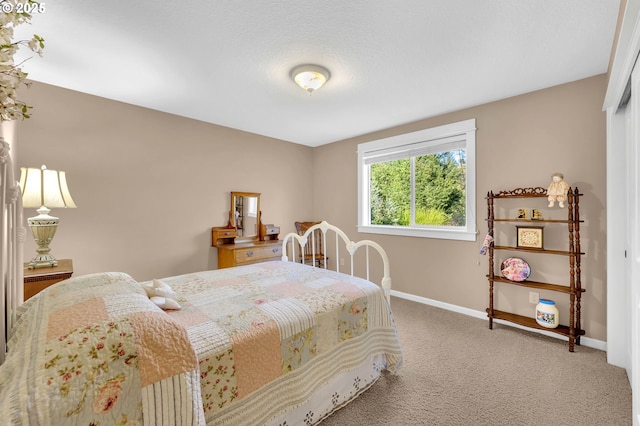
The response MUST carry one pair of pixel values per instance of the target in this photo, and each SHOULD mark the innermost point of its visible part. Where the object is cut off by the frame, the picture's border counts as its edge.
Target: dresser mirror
(245, 215)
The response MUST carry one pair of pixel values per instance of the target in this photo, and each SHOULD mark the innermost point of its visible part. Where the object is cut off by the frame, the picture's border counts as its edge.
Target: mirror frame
(232, 221)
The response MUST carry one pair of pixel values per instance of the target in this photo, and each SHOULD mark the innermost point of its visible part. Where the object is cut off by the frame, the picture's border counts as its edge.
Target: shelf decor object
(547, 314)
(530, 236)
(533, 247)
(42, 188)
(515, 269)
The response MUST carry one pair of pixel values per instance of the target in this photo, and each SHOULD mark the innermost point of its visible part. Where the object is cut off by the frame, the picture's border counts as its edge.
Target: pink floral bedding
(248, 345)
(267, 335)
(95, 351)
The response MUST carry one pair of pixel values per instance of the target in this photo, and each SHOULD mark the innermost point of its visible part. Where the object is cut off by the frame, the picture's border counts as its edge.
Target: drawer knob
(277, 249)
(227, 233)
(249, 253)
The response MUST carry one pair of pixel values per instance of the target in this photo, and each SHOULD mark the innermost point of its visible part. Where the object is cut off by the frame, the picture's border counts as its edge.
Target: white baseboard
(584, 341)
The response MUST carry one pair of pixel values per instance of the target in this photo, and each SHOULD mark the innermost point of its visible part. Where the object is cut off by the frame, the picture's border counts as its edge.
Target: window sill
(405, 231)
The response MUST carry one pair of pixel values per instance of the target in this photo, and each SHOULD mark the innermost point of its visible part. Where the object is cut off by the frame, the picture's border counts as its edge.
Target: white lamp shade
(43, 187)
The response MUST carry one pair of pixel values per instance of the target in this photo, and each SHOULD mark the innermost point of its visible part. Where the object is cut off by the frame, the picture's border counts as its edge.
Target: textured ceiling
(392, 62)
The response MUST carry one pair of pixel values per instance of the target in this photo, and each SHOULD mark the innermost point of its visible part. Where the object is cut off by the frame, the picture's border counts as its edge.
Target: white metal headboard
(12, 234)
(350, 247)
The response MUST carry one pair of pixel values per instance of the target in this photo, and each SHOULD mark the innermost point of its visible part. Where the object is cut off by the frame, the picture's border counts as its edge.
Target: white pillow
(165, 302)
(159, 288)
(161, 294)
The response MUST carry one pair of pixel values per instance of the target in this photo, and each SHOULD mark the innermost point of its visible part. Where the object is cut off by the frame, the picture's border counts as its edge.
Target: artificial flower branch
(12, 14)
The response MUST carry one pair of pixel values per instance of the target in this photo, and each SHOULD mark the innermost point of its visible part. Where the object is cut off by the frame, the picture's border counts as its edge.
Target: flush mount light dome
(310, 77)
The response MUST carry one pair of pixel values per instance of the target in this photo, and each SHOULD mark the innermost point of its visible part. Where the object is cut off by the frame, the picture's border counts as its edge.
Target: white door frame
(623, 200)
(633, 243)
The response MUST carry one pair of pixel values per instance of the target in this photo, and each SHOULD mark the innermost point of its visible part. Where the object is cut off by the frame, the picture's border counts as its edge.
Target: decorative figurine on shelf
(557, 190)
(486, 243)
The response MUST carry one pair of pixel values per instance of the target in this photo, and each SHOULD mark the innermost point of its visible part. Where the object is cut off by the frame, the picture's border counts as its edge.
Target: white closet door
(633, 215)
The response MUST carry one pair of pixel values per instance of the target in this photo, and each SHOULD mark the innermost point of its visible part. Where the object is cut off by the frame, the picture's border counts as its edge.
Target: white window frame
(252, 208)
(430, 140)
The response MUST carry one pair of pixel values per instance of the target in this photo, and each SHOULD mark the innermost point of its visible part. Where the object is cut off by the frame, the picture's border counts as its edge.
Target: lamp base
(43, 228)
(44, 261)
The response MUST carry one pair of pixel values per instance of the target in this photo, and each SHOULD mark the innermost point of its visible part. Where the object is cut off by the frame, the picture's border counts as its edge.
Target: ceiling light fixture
(310, 77)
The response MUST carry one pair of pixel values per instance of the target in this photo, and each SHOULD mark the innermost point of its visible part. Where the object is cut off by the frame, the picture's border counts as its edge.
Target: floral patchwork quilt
(94, 350)
(246, 345)
(268, 334)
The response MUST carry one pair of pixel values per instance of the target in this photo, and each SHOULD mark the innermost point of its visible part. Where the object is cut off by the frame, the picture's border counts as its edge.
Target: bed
(277, 343)
(12, 234)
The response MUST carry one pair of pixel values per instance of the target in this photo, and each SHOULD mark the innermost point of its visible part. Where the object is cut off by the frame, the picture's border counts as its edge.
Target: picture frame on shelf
(530, 237)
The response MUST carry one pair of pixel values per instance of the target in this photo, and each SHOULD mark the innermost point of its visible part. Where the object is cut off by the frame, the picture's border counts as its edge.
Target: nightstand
(36, 280)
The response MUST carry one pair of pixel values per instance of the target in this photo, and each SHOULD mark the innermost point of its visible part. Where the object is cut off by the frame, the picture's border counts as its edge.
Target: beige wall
(150, 185)
(521, 141)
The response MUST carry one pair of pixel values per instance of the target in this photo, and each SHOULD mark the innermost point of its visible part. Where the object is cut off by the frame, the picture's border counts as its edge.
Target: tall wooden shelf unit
(574, 290)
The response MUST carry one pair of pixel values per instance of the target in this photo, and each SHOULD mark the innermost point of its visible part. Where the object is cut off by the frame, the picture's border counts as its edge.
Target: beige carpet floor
(458, 372)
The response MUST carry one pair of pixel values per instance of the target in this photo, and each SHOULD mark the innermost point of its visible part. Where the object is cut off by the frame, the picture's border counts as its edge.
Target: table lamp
(42, 188)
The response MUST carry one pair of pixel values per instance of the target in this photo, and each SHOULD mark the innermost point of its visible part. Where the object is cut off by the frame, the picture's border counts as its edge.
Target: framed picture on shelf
(529, 236)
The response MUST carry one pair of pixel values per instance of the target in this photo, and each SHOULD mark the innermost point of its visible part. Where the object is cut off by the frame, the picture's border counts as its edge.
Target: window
(252, 208)
(420, 184)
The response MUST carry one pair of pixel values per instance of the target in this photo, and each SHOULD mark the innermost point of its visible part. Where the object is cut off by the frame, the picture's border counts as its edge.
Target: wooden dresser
(251, 252)
(232, 254)
(36, 280)
(246, 239)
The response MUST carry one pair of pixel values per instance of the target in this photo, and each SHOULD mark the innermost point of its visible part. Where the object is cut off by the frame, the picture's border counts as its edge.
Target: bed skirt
(334, 394)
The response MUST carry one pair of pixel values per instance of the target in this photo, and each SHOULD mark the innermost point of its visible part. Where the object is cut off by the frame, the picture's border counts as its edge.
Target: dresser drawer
(225, 233)
(245, 253)
(257, 253)
(223, 236)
